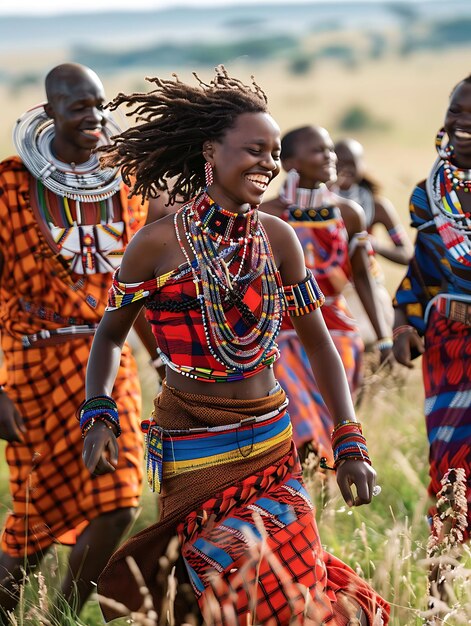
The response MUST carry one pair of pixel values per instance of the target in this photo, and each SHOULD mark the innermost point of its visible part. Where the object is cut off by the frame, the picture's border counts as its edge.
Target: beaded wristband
(108, 414)
(405, 328)
(98, 408)
(348, 443)
(385, 343)
(93, 421)
(344, 423)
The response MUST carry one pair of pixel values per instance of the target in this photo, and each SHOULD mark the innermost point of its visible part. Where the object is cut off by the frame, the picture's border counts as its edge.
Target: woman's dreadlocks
(173, 122)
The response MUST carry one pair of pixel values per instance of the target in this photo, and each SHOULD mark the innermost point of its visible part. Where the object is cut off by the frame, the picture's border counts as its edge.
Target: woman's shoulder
(157, 231)
(281, 235)
(352, 214)
(146, 250)
(273, 224)
(13, 169)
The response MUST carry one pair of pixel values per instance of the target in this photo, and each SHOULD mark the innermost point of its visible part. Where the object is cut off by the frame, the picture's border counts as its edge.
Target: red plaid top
(175, 316)
(180, 333)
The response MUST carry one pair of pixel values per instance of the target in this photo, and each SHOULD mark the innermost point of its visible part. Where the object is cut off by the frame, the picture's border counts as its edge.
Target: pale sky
(42, 7)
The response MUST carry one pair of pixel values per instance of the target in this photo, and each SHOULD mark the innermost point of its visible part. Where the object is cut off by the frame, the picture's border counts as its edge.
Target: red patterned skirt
(253, 556)
(446, 368)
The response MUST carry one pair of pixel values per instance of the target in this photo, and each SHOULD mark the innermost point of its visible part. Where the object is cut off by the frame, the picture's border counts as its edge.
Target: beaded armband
(359, 240)
(397, 234)
(121, 294)
(348, 443)
(99, 409)
(303, 297)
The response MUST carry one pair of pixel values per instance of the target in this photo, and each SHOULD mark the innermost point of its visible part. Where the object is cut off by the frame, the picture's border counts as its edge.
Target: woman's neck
(228, 204)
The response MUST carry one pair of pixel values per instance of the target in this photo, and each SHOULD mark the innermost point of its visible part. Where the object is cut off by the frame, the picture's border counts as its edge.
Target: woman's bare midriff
(257, 386)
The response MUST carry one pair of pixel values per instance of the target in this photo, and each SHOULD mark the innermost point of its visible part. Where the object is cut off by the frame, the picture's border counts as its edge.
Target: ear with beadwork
(444, 148)
(208, 167)
(208, 174)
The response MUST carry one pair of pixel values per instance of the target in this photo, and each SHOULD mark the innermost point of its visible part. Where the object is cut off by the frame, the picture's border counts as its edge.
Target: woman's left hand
(360, 474)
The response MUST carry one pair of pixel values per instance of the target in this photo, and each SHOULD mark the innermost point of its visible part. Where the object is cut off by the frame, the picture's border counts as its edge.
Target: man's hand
(12, 427)
(100, 450)
(406, 342)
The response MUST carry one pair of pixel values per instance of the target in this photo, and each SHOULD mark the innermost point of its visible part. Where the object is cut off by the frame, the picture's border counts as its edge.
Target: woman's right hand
(406, 342)
(100, 449)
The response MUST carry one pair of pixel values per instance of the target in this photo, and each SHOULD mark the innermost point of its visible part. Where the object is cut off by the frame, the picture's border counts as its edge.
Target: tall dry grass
(385, 542)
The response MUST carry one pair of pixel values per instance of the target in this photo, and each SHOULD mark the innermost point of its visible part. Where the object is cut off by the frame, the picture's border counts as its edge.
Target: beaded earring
(444, 152)
(208, 174)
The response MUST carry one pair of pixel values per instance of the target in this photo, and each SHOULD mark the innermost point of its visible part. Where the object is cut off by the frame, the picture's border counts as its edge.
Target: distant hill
(113, 42)
(137, 29)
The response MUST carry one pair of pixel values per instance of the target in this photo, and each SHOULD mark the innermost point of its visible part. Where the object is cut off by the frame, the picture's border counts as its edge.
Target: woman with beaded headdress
(64, 224)
(332, 233)
(215, 279)
(433, 305)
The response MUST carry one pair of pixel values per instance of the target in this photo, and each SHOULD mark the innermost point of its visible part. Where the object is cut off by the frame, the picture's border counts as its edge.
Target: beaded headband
(86, 182)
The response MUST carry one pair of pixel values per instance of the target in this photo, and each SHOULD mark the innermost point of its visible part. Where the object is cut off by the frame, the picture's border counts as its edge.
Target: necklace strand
(218, 289)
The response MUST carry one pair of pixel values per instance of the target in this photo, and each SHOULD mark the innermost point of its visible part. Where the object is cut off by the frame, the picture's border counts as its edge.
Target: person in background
(215, 278)
(64, 225)
(335, 244)
(354, 184)
(433, 314)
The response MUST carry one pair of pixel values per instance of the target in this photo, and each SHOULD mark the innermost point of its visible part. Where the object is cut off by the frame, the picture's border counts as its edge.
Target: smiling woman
(215, 279)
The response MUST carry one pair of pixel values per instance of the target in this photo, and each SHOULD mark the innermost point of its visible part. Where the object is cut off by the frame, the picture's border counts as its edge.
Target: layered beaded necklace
(453, 223)
(233, 267)
(457, 178)
(314, 208)
(85, 182)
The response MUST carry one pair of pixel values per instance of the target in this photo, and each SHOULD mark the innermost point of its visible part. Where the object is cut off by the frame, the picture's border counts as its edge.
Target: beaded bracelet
(93, 421)
(348, 443)
(385, 343)
(98, 408)
(405, 328)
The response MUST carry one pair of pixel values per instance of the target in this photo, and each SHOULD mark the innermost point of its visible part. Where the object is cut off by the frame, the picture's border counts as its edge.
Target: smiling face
(458, 124)
(313, 157)
(244, 161)
(76, 106)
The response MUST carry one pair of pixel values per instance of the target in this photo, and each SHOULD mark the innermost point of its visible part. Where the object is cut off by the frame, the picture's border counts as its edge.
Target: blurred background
(380, 71)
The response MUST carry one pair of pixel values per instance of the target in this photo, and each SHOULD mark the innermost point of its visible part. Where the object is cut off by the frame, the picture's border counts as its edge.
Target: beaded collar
(87, 182)
(246, 282)
(222, 226)
(457, 178)
(453, 224)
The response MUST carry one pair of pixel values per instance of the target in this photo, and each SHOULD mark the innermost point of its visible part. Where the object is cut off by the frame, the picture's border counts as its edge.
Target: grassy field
(406, 102)
(385, 542)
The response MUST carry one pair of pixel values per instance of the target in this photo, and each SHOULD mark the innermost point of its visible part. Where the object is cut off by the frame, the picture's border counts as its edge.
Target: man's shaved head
(62, 77)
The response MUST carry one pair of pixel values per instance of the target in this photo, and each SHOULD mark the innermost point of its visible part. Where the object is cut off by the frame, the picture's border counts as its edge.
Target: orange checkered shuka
(52, 492)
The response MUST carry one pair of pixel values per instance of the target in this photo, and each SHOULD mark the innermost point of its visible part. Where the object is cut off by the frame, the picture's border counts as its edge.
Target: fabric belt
(172, 452)
(45, 338)
(456, 310)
